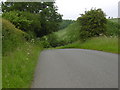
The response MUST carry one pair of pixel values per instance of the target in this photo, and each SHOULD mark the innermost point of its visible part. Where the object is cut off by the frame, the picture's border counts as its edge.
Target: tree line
(41, 18)
(36, 18)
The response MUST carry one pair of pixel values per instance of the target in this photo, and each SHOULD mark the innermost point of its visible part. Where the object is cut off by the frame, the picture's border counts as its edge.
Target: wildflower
(111, 36)
(26, 42)
(101, 34)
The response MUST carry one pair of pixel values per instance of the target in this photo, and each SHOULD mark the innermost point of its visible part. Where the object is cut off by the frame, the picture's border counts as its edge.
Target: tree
(50, 19)
(32, 7)
(47, 12)
(93, 23)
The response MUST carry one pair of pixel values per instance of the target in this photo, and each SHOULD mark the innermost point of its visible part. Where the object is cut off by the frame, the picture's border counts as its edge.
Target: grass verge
(107, 44)
(18, 66)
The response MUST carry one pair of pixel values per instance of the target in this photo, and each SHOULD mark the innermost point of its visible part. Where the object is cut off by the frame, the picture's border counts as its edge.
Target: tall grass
(19, 57)
(107, 44)
(11, 36)
(18, 67)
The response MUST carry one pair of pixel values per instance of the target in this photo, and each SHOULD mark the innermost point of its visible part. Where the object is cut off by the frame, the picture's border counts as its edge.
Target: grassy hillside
(11, 37)
(69, 34)
(19, 57)
(108, 43)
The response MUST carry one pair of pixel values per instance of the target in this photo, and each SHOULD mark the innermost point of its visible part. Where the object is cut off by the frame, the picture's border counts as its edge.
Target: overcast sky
(71, 9)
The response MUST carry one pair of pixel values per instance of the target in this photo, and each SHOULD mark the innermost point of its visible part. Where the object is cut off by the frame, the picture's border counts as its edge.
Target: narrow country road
(76, 68)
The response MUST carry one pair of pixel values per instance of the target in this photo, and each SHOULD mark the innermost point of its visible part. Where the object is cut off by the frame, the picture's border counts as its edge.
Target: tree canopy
(46, 19)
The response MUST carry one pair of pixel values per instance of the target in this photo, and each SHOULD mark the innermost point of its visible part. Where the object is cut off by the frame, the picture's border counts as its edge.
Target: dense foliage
(112, 28)
(36, 17)
(25, 21)
(93, 23)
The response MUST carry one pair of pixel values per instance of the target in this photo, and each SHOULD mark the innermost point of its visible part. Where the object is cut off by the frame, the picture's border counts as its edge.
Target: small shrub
(45, 44)
(52, 39)
(43, 41)
(62, 43)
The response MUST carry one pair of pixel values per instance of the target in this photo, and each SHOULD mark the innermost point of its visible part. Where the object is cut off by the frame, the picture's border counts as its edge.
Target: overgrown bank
(20, 56)
(18, 66)
(107, 44)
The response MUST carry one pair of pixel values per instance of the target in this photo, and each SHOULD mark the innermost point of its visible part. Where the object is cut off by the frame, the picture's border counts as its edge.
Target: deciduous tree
(93, 23)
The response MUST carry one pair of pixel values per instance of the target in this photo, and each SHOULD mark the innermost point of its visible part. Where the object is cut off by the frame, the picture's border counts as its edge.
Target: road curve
(76, 68)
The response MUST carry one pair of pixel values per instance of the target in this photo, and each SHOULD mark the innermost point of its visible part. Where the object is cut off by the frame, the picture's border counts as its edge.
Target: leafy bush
(93, 23)
(52, 39)
(11, 37)
(43, 42)
(25, 21)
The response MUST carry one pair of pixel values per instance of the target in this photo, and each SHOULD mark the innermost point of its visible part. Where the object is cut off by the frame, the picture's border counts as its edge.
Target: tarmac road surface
(76, 68)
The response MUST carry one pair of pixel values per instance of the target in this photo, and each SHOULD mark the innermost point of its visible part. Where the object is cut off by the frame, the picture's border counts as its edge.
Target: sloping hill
(11, 36)
(71, 33)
